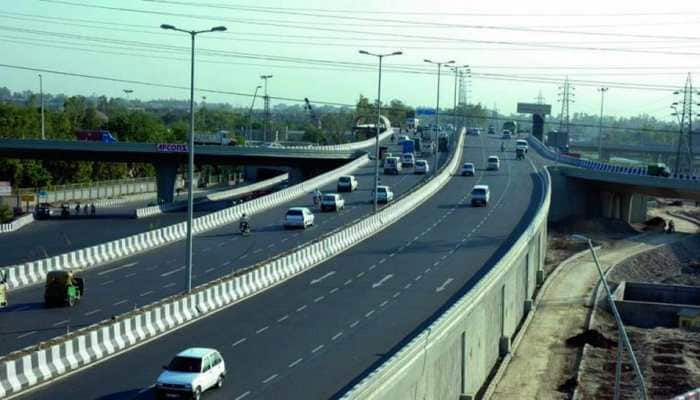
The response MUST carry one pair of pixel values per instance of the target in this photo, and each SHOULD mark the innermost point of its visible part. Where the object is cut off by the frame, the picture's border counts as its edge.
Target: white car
(298, 217)
(521, 144)
(347, 183)
(507, 135)
(332, 202)
(493, 163)
(392, 165)
(421, 167)
(468, 169)
(481, 194)
(190, 373)
(408, 160)
(384, 194)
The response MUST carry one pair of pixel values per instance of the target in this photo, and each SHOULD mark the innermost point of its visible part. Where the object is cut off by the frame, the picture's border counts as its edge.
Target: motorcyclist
(77, 209)
(317, 196)
(671, 227)
(92, 209)
(503, 147)
(85, 209)
(244, 223)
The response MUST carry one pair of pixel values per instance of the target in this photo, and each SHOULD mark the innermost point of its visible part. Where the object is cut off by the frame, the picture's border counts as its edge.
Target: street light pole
(454, 101)
(602, 91)
(379, 120)
(437, 109)
(190, 154)
(41, 94)
(623, 338)
(250, 113)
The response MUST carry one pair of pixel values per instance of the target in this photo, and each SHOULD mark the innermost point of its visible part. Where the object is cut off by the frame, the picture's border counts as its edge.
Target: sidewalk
(542, 362)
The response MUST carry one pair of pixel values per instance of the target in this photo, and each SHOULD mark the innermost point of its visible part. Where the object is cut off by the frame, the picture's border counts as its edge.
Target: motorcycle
(65, 213)
(317, 200)
(244, 228)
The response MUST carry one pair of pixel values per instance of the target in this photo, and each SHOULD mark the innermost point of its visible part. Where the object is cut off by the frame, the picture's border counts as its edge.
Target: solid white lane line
(333, 290)
(176, 270)
(239, 341)
(319, 298)
(270, 378)
(244, 395)
(369, 313)
(26, 334)
(354, 324)
(263, 329)
(146, 293)
(118, 268)
(321, 278)
(283, 318)
(120, 302)
(295, 363)
(302, 308)
(106, 283)
(319, 347)
(337, 335)
(65, 321)
(171, 284)
(89, 313)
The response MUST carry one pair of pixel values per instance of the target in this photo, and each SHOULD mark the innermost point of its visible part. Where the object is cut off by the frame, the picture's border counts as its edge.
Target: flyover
(166, 158)
(121, 286)
(314, 334)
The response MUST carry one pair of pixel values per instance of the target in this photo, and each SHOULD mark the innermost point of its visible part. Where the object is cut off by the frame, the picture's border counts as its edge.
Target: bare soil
(669, 358)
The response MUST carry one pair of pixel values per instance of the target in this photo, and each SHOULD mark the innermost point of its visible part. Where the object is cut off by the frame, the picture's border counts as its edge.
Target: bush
(6, 214)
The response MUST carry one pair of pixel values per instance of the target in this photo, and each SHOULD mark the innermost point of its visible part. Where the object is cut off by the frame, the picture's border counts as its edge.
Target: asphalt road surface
(142, 279)
(315, 334)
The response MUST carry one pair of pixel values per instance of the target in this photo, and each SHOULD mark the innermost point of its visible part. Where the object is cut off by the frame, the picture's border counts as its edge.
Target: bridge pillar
(166, 173)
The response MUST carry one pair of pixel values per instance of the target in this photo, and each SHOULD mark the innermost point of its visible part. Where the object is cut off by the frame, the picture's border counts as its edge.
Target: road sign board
(533, 108)
(43, 193)
(172, 148)
(5, 188)
(425, 111)
(27, 197)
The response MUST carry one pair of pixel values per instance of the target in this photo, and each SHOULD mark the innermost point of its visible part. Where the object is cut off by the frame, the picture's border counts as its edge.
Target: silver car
(191, 373)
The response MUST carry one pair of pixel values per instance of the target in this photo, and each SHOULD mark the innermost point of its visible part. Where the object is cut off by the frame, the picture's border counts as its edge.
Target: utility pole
(458, 72)
(41, 91)
(684, 149)
(266, 125)
(250, 113)
(602, 91)
(566, 98)
(463, 90)
(539, 99)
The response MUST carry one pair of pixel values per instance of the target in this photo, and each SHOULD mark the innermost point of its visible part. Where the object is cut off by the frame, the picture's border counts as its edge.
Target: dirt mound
(656, 224)
(603, 228)
(591, 337)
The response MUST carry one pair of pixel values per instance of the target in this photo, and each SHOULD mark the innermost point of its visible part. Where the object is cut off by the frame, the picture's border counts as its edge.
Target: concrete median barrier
(38, 364)
(17, 224)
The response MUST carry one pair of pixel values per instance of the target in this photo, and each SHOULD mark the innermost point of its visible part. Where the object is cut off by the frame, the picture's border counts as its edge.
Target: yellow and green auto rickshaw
(3, 289)
(63, 288)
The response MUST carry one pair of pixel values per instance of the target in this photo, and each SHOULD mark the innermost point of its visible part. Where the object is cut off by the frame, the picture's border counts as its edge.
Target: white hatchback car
(468, 169)
(421, 167)
(481, 194)
(347, 183)
(493, 163)
(384, 194)
(332, 202)
(298, 217)
(190, 373)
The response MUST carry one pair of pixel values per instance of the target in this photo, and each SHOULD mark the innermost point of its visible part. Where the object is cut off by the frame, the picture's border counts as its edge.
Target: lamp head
(167, 26)
(363, 52)
(218, 29)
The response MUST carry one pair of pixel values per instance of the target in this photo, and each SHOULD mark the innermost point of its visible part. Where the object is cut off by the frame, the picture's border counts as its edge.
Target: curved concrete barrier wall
(453, 357)
(18, 223)
(353, 146)
(35, 271)
(37, 364)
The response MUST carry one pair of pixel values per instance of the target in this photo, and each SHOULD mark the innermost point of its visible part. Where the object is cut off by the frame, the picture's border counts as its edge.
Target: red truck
(95, 135)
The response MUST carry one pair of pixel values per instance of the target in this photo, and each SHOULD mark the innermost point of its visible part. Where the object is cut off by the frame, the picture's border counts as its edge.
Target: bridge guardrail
(554, 155)
(35, 271)
(17, 223)
(23, 369)
(404, 371)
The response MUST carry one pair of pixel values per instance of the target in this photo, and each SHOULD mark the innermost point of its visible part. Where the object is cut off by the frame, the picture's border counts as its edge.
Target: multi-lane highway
(46, 238)
(313, 335)
(119, 287)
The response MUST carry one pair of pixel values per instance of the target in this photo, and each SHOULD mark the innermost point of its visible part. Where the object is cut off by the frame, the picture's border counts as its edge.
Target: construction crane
(312, 115)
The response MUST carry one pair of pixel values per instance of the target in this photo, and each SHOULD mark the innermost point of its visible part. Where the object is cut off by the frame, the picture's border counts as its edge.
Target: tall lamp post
(250, 113)
(190, 152)
(602, 91)
(379, 119)
(437, 108)
(623, 339)
(41, 94)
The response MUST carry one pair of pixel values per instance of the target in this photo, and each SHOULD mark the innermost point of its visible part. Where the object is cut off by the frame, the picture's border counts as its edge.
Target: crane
(312, 115)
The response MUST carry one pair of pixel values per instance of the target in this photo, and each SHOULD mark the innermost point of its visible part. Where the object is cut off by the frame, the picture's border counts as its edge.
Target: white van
(392, 165)
(493, 163)
(481, 194)
(521, 144)
(408, 160)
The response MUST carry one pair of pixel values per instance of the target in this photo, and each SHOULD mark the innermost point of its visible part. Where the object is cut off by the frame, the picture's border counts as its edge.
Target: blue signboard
(425, 111)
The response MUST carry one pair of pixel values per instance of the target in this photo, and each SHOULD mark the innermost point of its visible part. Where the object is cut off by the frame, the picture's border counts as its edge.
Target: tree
(6, 214)
(313, 134)
(363, 109)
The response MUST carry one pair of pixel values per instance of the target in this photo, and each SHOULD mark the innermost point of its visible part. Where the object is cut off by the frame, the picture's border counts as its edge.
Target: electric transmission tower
(464, 83)
(684, 149)
(566, 97)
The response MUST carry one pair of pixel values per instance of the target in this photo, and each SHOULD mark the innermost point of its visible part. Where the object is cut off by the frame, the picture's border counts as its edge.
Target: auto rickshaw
(519, 154)
(3, 289)
(62, 288)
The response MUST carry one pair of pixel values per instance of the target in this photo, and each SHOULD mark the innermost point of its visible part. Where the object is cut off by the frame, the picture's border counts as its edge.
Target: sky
(641, 50)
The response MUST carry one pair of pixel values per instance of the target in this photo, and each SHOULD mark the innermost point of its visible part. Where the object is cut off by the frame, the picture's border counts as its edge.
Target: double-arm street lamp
(190, 152)
(437, 109)
(379, 119)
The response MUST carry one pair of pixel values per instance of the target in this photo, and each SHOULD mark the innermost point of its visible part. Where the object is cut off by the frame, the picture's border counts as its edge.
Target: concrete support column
(166, 172)
(607, 200)
(638, 208)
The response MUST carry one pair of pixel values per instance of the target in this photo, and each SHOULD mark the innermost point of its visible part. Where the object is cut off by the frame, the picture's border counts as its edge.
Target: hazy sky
(515, 49)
